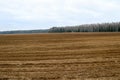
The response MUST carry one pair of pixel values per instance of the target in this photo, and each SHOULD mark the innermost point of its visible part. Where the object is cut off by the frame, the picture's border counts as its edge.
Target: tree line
(24, 31)
(103, 27)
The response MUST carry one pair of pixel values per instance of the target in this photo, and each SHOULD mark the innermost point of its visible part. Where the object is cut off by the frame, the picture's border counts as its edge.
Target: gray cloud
(47, 13)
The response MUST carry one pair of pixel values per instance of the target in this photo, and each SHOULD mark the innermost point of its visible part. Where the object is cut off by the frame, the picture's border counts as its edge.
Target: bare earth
(65, 56)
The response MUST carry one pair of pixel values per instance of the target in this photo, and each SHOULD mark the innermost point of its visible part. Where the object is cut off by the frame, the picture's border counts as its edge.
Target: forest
(103, 27)
(99, 27)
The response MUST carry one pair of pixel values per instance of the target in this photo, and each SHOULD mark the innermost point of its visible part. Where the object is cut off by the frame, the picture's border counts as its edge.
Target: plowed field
(60, 56)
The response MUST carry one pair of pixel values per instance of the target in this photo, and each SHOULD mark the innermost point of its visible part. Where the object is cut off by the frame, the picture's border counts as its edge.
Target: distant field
(65, 56)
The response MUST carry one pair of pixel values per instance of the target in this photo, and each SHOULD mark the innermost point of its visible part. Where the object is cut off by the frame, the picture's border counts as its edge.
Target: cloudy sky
(43, 14)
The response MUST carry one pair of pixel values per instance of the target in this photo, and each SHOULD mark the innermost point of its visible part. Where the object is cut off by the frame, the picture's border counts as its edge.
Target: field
(60, 56)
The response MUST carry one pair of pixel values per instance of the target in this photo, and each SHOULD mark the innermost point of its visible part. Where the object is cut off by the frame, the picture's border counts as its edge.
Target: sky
(44, 14)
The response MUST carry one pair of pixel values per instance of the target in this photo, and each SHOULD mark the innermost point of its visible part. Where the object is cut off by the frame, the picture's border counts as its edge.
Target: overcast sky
(43, 14)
